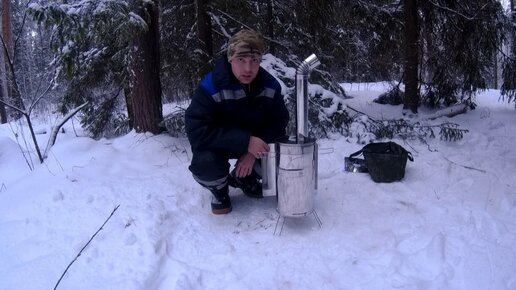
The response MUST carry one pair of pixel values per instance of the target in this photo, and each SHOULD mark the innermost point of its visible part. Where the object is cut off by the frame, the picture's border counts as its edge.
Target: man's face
(245, 68)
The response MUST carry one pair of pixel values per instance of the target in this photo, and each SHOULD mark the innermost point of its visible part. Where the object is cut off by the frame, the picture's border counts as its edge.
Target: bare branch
(21, 30)
(465, 166)
(6, 52)
(232, 18)
(227, 35)
(13, 107)
(41, 96)
(80, 252)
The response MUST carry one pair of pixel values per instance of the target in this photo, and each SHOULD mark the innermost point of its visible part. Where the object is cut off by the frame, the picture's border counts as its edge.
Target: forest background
(117, 62)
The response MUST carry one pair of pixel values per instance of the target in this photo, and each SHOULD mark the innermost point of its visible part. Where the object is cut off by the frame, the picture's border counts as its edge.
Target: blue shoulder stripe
(208, 84)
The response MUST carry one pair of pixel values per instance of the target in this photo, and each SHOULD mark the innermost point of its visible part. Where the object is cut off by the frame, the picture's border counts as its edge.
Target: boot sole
(221, 210)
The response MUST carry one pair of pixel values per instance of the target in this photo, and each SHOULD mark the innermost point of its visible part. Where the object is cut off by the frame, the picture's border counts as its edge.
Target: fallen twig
(80, 252)
(465, 166)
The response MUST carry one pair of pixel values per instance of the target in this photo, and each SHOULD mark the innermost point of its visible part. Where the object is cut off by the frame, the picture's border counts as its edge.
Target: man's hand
(257, 147)
(244, 165)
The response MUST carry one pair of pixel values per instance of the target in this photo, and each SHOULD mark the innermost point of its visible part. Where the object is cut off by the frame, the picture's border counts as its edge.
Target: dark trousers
(211, 168)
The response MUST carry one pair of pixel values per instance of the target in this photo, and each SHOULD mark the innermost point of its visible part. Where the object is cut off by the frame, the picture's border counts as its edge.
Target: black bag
(385, 161)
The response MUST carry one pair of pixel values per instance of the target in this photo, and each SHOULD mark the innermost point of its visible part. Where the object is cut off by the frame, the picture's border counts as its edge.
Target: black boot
(220, 203)
(250, 185)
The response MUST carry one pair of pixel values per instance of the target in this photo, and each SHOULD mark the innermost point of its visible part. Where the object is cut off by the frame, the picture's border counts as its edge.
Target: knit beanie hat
(245, 43)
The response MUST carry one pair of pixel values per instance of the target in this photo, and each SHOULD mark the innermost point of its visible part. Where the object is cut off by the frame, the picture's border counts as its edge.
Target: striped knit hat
(245, 43)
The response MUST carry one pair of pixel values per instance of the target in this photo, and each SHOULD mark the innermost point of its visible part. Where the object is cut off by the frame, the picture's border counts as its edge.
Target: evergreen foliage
(179, 54)
(509, 70)
(391, 97)
(90, 42)
(415, 130)
(460, 40)
(175, 123)
(356, 41)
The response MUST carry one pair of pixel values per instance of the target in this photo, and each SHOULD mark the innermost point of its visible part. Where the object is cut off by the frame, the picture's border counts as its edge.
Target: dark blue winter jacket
(224, 114)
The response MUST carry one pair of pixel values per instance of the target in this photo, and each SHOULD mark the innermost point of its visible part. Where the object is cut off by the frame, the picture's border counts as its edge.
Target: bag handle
(356, 154)
(409, 156)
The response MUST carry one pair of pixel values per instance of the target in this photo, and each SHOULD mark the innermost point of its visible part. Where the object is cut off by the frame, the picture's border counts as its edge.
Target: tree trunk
(427, 50)
(411, 100)
(129, 103)
(3, 112)
(270, 25)
(145, 95)
(204, 34)
(495, 63)
(7, 34)
(4, 96)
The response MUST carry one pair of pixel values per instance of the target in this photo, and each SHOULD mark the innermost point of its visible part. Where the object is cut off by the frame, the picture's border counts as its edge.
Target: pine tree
(459, 52)
(91, 42)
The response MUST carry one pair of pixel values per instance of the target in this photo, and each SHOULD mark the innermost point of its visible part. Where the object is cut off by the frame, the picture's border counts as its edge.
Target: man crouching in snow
(237, 109)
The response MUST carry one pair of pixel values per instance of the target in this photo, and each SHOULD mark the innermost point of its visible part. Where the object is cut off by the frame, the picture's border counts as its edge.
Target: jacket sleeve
(279, 117)
(204, 130)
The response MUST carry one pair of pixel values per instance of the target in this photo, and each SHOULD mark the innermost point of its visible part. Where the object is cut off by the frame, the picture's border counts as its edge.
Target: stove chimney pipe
(302, 74)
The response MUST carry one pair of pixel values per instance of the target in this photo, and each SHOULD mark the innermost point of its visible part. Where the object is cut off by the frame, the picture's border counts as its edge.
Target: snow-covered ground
(449, 224)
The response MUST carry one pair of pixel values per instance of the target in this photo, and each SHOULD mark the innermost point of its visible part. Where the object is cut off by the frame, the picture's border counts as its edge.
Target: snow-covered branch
(457, 12)
(55, 129)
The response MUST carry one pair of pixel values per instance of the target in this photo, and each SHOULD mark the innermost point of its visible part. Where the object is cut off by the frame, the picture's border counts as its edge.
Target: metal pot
(289, 171)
